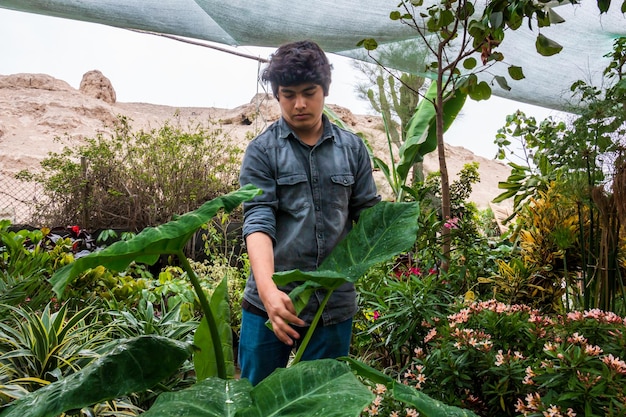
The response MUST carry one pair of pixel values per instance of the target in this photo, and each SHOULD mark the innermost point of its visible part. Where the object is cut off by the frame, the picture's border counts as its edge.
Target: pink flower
(452, 223)
(380, 389)
(499, 358)
(552, 411)
(528, 379)
(520, 407)
(577, 339)
(593, 350)
(415, 271)
(419, 352)
(615, 364)
(550, 347)
(430, 336)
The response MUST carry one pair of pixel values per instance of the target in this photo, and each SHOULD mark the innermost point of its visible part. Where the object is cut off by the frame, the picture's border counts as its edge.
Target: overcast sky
(153, 69)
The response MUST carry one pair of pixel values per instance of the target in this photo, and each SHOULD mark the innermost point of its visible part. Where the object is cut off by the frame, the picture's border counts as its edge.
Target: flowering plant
(510, 360)
(393, 307)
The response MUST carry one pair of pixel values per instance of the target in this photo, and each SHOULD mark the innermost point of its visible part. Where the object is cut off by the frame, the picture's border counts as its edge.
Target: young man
(316, 179)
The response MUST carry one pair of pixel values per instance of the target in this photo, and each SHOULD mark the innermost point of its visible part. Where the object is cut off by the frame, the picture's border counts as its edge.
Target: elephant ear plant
(323, 388)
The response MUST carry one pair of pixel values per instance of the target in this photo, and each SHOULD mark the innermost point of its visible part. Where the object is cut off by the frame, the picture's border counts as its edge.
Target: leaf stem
(312, 327)
(206, 308)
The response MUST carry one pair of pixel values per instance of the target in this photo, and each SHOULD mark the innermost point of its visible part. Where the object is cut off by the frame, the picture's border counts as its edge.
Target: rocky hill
(37, 108)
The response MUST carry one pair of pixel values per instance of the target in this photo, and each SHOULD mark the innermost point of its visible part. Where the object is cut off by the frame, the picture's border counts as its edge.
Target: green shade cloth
(337, 25)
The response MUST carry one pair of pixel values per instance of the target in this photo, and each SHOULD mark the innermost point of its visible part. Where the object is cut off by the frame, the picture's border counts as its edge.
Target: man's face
(302, 106)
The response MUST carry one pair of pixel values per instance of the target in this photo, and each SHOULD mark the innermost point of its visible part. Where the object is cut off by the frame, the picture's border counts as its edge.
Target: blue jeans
(260, 351)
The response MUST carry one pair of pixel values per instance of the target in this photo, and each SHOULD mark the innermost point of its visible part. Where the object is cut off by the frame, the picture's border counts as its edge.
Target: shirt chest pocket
(341, 190)
(293, 192)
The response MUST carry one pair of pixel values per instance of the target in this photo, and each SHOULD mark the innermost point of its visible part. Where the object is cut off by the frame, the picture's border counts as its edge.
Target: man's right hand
(282, 315)
(277, 303)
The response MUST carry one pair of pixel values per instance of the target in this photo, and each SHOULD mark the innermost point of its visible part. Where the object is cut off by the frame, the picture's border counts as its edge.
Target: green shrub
(134, 179)
(394, 308)
(473, 236)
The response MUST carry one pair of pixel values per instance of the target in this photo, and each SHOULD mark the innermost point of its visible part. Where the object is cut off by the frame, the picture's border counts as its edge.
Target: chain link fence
(19, 200)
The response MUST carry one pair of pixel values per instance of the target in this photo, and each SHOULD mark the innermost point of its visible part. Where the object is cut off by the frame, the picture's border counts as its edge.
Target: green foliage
(545, 272)
(146, 319)
(134, 179)
(562, 193)
(392, 395)
(545, 150)
(396, 104)
(205, 363)
(102, 285)
(129, 367)
(27, 259)
(128, 322)
(453, 34)
(506, 360)
(147, 246)
(325, 387)
(397, 298)
(553, 150)
(473, 244)
(39, 348)
(383, 232)
(420, 139)
(151, 243)
(395, 94)
(421, 132)
(393, 310)
(451, 21)
(170, 289)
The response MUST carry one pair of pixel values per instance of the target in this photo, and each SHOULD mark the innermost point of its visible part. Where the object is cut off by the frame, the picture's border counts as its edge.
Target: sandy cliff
(36, 108)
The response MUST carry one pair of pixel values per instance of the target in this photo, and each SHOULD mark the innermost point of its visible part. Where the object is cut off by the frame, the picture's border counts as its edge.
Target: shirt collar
(286, 133)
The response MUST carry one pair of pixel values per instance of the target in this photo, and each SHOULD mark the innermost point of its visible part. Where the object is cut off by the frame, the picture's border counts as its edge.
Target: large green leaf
(421, 136)
(212, 397)
(383, 231)
(546, 46)
(152, 242)
(323, 387)
(134, 365)
(204, 360)
(427, 406)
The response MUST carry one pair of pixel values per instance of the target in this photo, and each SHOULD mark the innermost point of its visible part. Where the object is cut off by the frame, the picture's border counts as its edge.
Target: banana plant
(421, 138)
(421, 135)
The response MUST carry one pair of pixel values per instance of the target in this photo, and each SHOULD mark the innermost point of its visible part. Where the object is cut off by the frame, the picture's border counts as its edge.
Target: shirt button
(345, 181)
(317, 208)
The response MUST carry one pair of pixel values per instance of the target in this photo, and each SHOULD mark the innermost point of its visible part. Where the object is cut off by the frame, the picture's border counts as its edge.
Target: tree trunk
(443, 168)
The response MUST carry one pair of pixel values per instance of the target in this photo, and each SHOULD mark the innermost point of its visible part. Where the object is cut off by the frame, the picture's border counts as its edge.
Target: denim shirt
(311, 197)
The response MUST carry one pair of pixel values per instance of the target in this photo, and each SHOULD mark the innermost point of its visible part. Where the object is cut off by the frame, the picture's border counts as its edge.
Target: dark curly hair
(297, 63)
